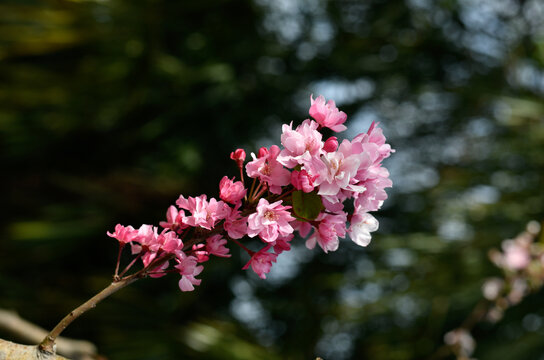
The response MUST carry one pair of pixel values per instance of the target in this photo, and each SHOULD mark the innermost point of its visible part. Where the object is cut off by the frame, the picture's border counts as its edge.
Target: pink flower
(332, 203)
(329, 229)
(200, 252)
(301, 180)
(266, 168)
(123, 234)
(215, 245)
(374, 195)
(371, 175)
(147, 239)
(159, 271)
(303, 228)
(300, 145)
(375, 136)
(203, 213)
(188, 269)
(283, 244)
(270, 221)
(340, 168)
(230, 191)
(516, 256)
(235, 224)
(360, 228)
(174, 220)
(327, 114)
(261, 262)
(169, 242)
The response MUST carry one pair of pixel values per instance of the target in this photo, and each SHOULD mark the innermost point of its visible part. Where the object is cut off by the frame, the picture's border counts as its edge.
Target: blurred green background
(110, 109)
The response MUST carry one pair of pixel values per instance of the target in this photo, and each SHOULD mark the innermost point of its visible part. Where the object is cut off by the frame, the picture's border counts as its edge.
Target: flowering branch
(301, 186)
(522, 263)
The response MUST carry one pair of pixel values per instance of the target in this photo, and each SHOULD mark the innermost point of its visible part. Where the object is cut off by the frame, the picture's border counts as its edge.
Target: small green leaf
(307, 205)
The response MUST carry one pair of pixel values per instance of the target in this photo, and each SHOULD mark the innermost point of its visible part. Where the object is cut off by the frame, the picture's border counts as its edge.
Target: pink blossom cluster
(522, 261)
(300, 185)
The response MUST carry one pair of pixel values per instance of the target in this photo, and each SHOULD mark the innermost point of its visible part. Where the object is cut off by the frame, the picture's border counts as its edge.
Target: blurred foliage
(110, 109)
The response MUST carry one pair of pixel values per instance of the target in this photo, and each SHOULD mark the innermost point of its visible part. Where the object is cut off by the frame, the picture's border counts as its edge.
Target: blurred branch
(522, 262)
(26, 331)
(13, 351)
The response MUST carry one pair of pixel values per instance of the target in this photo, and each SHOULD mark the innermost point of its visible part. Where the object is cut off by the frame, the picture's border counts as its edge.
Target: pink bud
(239, 155)
(301, 180)
(331, 144)
(262, 152)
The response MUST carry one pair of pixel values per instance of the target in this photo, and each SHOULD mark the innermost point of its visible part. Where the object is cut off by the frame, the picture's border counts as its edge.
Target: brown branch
(47, 344)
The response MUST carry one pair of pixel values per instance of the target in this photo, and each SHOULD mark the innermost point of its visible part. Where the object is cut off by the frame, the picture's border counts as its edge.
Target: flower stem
(127, 268)
(121, 246)
(250, 253)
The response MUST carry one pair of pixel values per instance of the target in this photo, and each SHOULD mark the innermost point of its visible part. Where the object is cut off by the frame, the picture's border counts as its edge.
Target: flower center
(265, 170)
(270, 215)
(309, 144)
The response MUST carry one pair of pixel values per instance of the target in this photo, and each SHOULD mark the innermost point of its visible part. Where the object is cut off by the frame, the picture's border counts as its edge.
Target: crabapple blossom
(203, 213)
(215, 245)
(174, 219)
(340, 168)
(146, 237)
(261, 262)
(361, 225)
(326, 235)
(283, 244)
(270, 221)
(268, 170)
(301, 144)
(235, 224)
(375, 135)
(188, 269)
(124, 234)
(169, 242)
(231, 191)
(327, 114)
(303, 228)
(303, 185)
(374, 195)
(200, 252)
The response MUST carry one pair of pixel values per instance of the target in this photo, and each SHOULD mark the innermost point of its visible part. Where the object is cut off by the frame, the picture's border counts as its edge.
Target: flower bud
(239, 155)
(331, 144)
(301, 180)
(262, 152)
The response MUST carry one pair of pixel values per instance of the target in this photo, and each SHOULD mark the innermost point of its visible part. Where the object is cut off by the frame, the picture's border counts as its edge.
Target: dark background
(110, 109)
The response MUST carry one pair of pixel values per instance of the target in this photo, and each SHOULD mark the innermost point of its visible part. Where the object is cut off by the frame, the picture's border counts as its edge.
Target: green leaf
(307, 206)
